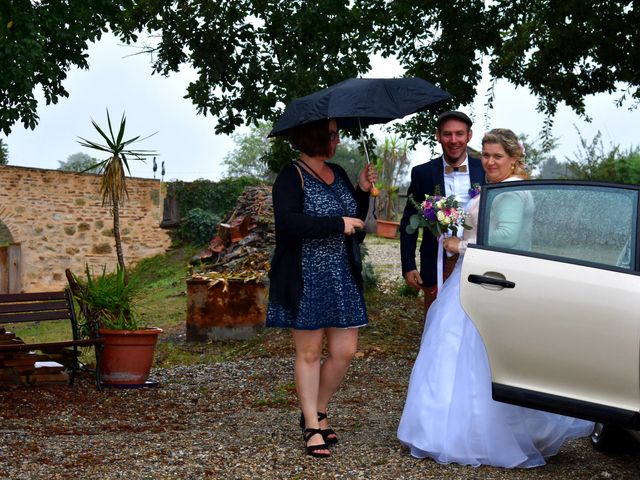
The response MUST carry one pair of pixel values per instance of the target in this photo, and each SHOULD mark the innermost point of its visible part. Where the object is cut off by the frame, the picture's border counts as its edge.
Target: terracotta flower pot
(127, 356)
(387, 229)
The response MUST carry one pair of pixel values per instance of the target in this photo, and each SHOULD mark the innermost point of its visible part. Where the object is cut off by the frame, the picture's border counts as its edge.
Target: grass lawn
(395, 320)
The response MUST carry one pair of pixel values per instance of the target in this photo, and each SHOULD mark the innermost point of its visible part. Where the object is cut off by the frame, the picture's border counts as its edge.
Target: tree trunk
(116, 234)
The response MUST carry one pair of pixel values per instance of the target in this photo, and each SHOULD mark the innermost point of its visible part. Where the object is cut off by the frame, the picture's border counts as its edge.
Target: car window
(584, 223)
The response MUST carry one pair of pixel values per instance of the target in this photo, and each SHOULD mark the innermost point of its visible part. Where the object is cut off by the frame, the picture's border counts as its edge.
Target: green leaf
(111, 129)
(251, 75)
(95, 146)
(121, 131)
(111, 145)
(125, 162)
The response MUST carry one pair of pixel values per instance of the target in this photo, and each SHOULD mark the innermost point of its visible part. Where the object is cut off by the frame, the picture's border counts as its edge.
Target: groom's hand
(414, 279)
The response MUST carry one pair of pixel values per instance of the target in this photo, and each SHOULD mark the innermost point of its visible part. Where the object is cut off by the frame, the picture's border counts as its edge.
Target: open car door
(559, 309)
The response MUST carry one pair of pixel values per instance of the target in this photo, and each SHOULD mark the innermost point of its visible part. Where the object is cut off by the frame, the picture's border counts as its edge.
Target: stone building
(51, 220)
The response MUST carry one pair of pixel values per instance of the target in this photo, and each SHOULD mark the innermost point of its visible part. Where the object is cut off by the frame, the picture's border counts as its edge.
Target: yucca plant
(114, 185)
(105, 300)
(392, 166)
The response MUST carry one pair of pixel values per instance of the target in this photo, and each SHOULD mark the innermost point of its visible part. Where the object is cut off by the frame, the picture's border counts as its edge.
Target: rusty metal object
(227, 292)
(224, 310)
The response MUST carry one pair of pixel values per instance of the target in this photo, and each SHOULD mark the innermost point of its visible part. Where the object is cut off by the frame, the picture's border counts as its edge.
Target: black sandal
(328, 434)
(302, 423)
(314, 450)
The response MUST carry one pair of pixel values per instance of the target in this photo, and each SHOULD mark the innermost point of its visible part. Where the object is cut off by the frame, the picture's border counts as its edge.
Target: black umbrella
(358, 102)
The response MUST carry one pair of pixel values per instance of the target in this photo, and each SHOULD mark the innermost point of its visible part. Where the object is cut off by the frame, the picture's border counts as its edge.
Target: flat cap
(453, 114)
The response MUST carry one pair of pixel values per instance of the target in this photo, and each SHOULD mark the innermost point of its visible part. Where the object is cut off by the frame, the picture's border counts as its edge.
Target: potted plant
(392, 166)
(107, 307)
(107, 300)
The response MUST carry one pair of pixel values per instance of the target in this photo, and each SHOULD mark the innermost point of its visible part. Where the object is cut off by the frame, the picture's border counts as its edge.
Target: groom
(455, 172)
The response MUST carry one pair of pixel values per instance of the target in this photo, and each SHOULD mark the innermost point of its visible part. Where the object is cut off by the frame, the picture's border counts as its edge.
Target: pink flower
(439, 214)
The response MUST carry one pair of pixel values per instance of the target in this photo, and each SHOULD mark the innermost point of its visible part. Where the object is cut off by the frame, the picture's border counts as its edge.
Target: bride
(449, 414)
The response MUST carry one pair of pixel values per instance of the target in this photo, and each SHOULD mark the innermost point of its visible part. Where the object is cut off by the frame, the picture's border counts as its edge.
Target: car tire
(611, 439)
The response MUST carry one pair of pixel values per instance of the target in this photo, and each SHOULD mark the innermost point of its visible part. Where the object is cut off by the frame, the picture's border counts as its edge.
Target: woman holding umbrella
(315, 277)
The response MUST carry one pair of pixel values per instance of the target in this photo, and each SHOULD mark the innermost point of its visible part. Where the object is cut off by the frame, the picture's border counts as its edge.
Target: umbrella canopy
(358, 102)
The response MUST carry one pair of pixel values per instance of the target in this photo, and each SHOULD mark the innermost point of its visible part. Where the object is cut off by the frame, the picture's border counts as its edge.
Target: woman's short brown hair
(312, 138)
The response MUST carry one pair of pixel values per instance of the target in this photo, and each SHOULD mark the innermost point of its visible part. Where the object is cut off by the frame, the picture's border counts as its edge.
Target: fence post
(15, 268)
(4, 271)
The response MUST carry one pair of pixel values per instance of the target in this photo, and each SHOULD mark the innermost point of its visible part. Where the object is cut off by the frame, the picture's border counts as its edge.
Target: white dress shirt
(458, 184)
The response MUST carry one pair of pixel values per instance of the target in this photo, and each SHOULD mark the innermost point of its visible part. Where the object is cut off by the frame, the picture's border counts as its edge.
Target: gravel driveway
(385, 256)
(236, 420)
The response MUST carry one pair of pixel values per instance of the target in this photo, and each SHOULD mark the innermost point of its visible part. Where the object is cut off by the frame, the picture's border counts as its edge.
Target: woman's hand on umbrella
(368, 176)
(351, 224)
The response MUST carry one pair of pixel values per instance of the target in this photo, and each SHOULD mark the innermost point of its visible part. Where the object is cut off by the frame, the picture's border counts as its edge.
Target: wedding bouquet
(439, 214)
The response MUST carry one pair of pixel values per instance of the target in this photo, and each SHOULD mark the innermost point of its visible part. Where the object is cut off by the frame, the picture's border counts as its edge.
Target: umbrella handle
(374, 191)
(364, 144)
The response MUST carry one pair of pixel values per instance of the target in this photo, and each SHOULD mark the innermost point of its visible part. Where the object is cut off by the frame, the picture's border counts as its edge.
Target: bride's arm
(456, 245)
(507, 220)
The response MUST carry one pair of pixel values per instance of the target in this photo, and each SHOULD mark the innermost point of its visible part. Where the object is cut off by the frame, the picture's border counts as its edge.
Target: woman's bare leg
(308, 345)
(342, 344)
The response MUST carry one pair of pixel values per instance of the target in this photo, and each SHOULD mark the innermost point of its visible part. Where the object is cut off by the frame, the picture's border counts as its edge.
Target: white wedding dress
(449, 414)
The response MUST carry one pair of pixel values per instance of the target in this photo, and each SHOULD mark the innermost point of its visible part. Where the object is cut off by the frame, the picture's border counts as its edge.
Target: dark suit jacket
(424, 179)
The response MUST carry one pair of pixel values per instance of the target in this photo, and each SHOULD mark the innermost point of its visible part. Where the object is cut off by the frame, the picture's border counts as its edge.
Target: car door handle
(483, 279)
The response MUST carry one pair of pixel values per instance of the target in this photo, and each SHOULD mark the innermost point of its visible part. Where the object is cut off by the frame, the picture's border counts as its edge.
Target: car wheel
(611, 439)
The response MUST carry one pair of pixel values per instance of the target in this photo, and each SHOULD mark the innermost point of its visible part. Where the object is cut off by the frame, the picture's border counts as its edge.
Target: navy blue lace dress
(330, 295)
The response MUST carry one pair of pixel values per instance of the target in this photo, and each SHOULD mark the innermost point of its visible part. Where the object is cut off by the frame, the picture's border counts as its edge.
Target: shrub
(197, 227)
(403, 289)
(218, 198)
(369, 276)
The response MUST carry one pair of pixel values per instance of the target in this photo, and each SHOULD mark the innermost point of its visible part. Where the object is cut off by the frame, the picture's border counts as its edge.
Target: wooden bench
(47, 306)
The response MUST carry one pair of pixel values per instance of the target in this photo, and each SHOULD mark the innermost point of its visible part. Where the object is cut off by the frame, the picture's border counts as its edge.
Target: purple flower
(430, 214)
(474, 191)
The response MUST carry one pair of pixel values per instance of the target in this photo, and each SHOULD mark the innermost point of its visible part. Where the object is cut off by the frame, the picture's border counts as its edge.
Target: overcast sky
(187, 144)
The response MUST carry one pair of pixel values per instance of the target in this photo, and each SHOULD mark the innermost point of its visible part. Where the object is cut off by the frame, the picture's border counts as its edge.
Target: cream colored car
(558, 307)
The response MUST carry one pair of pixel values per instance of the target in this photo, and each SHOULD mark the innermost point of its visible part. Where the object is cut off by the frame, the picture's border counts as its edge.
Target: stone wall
(59, 221)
